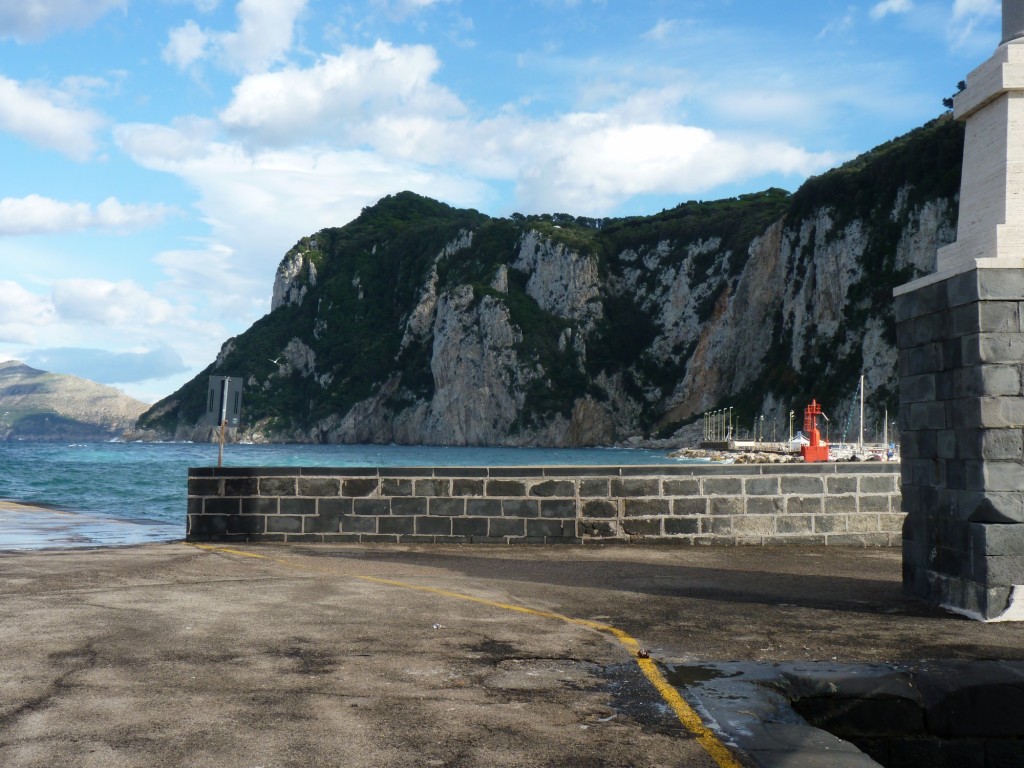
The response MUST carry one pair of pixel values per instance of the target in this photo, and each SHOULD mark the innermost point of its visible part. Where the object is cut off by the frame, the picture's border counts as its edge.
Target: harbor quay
(286, 654)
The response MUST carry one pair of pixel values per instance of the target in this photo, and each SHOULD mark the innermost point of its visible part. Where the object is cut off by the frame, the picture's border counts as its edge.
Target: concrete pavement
(357, 655)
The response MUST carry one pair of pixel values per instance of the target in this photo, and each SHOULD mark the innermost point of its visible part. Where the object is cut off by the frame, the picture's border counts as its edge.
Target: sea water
(147, 482)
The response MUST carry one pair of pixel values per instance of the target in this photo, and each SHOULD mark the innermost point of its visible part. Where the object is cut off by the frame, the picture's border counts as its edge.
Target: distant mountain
(421, 323)
(36, 405)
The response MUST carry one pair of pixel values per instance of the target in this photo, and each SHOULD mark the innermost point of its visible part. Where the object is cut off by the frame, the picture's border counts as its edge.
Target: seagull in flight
(275, 361)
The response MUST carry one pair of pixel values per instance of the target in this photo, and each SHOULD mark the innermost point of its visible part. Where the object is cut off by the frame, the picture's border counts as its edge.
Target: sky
(159, 157)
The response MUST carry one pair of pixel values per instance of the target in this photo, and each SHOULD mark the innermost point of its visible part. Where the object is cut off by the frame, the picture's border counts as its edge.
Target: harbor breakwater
(834, 504)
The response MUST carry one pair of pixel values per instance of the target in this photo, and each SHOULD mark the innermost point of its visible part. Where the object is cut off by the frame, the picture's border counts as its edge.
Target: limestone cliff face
(419, 323)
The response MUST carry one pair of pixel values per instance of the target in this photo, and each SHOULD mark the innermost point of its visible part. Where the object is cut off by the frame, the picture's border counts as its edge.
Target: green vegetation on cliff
(358, 322)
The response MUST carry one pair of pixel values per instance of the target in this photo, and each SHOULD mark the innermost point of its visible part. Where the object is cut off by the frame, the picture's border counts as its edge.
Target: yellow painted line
(683, 711)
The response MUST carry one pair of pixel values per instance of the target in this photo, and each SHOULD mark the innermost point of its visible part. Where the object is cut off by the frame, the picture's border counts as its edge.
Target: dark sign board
(224, 401)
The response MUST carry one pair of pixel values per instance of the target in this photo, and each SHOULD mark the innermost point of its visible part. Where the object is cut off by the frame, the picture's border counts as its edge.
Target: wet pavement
(448, 655)
(26, 526)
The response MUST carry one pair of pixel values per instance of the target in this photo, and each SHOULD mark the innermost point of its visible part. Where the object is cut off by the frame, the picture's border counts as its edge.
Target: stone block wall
(835, 504)
(961, 352)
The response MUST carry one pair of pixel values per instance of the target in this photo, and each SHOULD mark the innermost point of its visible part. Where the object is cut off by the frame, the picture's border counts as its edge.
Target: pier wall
(825, 504)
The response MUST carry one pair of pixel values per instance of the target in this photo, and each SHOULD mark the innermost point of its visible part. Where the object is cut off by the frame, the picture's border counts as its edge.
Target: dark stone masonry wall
(833, 504)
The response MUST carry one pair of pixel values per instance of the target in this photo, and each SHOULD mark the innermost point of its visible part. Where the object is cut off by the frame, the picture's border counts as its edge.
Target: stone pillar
(960, 334)
(961, 344)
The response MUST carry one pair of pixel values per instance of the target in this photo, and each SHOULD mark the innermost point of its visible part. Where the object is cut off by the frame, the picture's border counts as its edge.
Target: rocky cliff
(35, 405)
(421, 323)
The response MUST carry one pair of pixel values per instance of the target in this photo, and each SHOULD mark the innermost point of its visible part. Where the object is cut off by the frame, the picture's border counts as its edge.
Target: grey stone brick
(334, 506)
(697, 505)
(520, 508)
(917, 389)
(830, 523)
(322, 524)
(291, 506)
(284, 524)
(551, 508)
(207, 525)
(688, 486)
(222, 506)
(470, 526)
(646, 507)
(646, 527)
(841, 484)
(761, 486)
(599, 508)
(878, 483)
(765, 505)
(551, 528)
(805, 505)
(803, 485)
(1001, 413)
(433, 526)
(432, 487)
(986, 381)
(550, 488)
(795, 524)
(596, 487)
(408, 506)
(463, 487)
(250, 524)
(277, 486)
(505, 526)
(1000, 284)
(353, 524)
(360, 486)
(319, 486)
(632, 487)
(874, 504)
(927, 416)
(264, 505)
(446, 507)
(205, 486)
(682, 526)
(402, 526)
(863, 523)
(483, 507)
(395, 486)
(241, 486)
(376, 507)
(990, 540)
(723, 486)
(753, 525)
(726, 505)
(596, 528)
(506, 488)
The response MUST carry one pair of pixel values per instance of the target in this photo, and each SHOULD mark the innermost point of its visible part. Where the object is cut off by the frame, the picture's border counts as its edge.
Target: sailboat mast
(860, 444)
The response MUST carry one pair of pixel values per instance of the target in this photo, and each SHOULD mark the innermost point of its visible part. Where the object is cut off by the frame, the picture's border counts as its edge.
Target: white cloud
(966, 8)
(32, 20)
(22, 313)
(663, 30)
(840, 25)
(187, 45)
(106, 303)
(886, 7)
(341, 96)
(967, 16)
(45, 119)
(590, 163)
(38, 215)
(263, 38)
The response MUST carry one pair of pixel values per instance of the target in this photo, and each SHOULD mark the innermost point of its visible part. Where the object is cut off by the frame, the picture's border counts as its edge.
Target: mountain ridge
(422, 323)
(42, 406)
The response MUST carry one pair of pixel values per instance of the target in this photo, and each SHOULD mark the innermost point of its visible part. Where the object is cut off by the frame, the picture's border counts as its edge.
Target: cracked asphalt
(274, 656)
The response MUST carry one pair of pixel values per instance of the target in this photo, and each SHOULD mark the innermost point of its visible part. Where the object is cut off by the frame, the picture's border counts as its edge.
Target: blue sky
(160, 156)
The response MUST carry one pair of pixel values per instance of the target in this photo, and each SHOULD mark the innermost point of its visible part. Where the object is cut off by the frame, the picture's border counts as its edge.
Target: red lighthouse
(818, 449)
